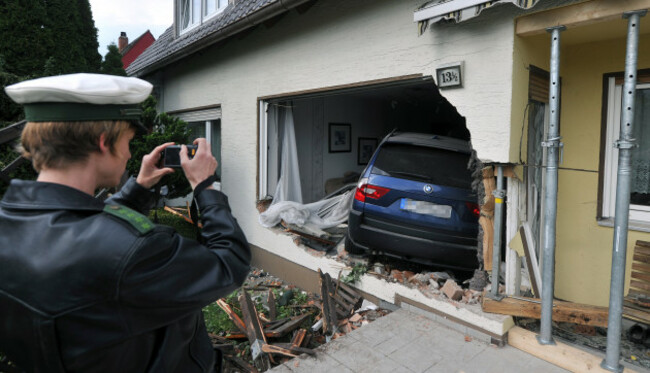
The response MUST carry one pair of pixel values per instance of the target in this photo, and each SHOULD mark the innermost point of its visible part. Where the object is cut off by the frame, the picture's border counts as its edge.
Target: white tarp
(321, 214)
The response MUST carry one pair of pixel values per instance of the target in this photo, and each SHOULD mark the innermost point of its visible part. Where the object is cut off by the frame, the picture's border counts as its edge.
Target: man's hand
(202, 166)
(150, 174)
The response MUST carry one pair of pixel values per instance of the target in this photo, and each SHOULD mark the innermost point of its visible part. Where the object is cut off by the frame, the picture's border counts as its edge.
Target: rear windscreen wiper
(408, 174)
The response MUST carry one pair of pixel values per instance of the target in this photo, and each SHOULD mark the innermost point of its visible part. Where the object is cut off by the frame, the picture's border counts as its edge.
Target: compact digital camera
(171, 155)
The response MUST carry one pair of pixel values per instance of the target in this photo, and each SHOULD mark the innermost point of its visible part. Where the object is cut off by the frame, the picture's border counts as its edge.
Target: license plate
(426, 208)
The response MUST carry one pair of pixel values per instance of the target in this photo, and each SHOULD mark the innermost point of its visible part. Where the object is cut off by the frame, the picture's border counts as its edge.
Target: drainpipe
(621, 217)
(499, 194)
(553, 146)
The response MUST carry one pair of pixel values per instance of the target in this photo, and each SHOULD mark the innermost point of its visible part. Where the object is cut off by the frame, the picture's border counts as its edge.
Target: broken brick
(397, 275)
(355, 318)
(452, 290)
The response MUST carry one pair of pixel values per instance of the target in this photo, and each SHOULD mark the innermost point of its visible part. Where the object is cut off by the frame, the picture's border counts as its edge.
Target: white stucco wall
(341, 42)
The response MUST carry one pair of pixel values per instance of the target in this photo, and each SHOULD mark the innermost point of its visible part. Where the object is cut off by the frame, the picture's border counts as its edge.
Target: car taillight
(474, 208)
(369, 191)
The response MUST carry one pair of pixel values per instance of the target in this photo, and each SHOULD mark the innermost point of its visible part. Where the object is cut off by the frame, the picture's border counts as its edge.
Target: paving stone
(282, 368)
(357, 356)
(418, 355)
(405, 342)
(305, 363)
(389, 346)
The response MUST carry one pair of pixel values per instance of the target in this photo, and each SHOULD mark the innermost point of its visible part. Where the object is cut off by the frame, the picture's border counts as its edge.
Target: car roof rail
(391, 133)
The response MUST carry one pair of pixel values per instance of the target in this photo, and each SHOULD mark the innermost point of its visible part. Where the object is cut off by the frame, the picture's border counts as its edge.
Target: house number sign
(450, 76)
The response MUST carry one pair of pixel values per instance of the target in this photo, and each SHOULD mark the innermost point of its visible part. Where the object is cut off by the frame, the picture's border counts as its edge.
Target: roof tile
(166, 46)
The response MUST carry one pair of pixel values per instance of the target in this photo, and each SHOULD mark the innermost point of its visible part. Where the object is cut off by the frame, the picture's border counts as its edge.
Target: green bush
(164, 128)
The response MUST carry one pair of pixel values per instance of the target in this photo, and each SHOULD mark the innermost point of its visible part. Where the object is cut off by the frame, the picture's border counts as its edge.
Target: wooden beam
(486, 220)
(254, 332)
(560, 354)
(576, 15)
(562, 311)
(531, 259)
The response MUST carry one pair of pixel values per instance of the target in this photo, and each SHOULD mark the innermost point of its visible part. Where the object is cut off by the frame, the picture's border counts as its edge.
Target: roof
(236, 17)
(134, 42)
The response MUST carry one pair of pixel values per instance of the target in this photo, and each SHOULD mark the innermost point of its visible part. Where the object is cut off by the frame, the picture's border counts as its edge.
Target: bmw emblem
(428, 189)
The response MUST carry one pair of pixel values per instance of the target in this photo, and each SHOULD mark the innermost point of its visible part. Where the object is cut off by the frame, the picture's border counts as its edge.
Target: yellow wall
(583, 248)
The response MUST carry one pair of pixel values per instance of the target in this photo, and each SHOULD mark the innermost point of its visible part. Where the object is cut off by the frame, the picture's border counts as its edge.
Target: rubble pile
(440, 285)
(274, 321)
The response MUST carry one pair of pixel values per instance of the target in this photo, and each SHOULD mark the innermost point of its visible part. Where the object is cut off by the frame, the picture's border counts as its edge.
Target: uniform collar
(35, 195)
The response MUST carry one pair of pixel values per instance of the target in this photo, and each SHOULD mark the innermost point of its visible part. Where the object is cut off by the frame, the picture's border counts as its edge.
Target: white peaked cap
(95, 89)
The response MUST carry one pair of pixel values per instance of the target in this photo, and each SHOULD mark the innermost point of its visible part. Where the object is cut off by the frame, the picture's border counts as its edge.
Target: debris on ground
(635, 353)
(270, 322)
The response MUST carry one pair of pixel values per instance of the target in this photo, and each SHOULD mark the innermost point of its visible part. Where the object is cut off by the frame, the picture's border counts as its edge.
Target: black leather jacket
(90, 287)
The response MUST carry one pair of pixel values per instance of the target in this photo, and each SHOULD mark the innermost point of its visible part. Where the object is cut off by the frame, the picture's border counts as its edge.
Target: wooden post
(487, 217)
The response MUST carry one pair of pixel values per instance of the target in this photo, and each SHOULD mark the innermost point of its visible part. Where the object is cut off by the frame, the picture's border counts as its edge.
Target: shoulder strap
(136, 219)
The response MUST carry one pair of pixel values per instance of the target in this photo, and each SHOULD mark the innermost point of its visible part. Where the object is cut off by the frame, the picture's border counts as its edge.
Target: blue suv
(415, 200)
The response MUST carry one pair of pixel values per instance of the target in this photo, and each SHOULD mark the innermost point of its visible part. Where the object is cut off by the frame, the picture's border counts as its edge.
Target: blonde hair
(57, 144)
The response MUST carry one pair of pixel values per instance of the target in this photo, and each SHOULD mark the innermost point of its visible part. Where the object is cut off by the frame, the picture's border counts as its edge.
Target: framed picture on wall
(340, 140)
(367, 147)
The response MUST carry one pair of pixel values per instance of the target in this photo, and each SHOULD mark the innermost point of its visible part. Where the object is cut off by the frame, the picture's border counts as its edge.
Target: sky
(134, 17)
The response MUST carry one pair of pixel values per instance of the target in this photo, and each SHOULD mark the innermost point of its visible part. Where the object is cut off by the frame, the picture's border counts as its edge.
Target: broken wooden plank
(296, 350)
(330, 320)
(576, 313)
(254, 332)
(271, 349)
(239, 323)
(286, 327)
(298, 338)
(560, 354)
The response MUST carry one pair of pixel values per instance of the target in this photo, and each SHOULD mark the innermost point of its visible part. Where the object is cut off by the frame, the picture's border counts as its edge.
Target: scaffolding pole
(624, 144)
(553, 146)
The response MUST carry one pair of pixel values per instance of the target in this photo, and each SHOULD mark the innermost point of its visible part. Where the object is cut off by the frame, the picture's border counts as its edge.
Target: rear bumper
(415, 243)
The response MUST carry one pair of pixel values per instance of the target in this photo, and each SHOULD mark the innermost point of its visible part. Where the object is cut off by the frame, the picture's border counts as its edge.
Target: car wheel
(352, 248)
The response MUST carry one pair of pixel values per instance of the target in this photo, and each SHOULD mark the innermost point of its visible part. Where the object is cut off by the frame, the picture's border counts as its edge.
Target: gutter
(247, 22)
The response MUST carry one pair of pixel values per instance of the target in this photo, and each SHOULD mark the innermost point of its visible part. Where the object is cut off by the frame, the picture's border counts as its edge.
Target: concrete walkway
(407, 342)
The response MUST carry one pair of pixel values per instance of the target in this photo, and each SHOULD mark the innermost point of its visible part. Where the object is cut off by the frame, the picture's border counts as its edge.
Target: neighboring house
(232, 69)
(131, 51)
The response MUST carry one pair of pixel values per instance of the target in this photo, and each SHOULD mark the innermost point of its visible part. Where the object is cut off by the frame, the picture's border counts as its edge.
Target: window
(640, 176)
(194, 12)
(205, 122)
(414, 163)
(211, 130)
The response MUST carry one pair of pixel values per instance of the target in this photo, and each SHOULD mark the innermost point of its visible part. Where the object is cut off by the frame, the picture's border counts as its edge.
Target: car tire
(351, 248)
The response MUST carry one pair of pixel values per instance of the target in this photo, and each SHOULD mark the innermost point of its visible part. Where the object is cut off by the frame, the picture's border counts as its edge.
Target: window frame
(639, 215)
(203, 15)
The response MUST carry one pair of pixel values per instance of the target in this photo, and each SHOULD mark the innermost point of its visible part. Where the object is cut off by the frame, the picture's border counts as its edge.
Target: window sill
(633, 225)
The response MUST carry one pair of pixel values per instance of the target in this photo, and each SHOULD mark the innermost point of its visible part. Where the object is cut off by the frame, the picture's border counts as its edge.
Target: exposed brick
(452, 290)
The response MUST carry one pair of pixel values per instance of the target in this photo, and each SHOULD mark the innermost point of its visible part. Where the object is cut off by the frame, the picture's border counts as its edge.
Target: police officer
(93, 286)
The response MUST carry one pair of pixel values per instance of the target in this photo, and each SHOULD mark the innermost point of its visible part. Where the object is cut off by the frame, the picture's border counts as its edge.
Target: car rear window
(420, 163)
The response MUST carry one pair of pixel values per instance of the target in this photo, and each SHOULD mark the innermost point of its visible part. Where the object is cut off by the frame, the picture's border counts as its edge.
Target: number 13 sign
(450, 76)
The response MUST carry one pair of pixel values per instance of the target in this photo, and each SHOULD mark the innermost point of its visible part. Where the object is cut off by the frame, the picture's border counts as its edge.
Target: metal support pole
(624, 144)
(553, 146)
(499, 195)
